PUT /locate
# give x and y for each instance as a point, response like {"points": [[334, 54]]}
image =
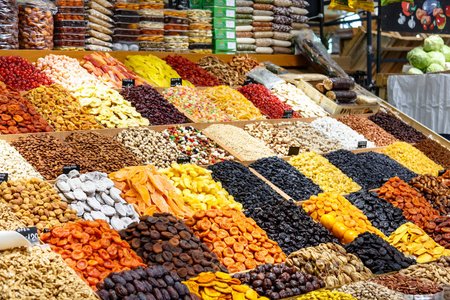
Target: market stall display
{"points": [[20, 74]]}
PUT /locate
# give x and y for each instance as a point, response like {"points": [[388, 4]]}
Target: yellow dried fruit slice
{"points": [[204, 296], [424, 258], [212, 292], [238, 296], [223, 276], [240, 288], [251, 295], [226, 290]]}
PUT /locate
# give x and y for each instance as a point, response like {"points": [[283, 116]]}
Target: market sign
{"points": [[427, 16]]}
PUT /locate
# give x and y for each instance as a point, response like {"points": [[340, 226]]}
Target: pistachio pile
{"points": [[368, 290], [429, 272]]}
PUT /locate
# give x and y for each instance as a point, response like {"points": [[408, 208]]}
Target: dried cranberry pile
{"points": [[190, 71], [20, 74], [153, 106], [265, 101]]}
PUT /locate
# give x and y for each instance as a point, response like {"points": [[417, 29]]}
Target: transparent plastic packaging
{"points": [[282, 3], [262, 24], [201, 33], [299, 11], [262, 12], [200, 40], [198, 13], [176, 39], [97, 14], [126, 12], [152, 12], [155, 38], [176, 45], [244, 10], [262, 18], [201, 46], [264, 1], [126, 46], [245, 40], [127, 19], [263, 34], [241, 22], [279, 43], [282, 11], [97, 48], [264, 42], [71, 10], [264, 76], [242, 34], [152, 49], [70, 23], [9, 20], [99, 28], [262, 6], [99, 21], [100, 8], [262, 29], [298, 26], [36, 24], [68, 2], [244, 28], [152, 25], [243, 3], [299, 18], [127, 25], [103, 3], [264, 50], [72, 30], [69, 43], [175, 13], [300, 3], [125, 38], [122, 31], [95, 41], [175, 20], [151, 44], [99, 35], [175, 27], [282, 50], [152, 31], [74, 17], [244, 16], [246, 47], [284, 36], [69, 36], [284, 20], [281, 27], [194, 19], [122, 5]]}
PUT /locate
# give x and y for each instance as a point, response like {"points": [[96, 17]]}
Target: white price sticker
{"points": [[230, 13], [231, 35], [229, 24]]}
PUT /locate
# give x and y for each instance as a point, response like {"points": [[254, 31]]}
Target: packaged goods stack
{"points": [[200, 31], [281, 41], [298, 16], [126, 33], [263, 26], [176, 31], [224, 24], [36, 24], [244, 18], [99, 25], [9, 24], [151, 26], [70, 31]]}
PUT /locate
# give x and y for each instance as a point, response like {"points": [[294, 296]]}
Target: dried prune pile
{"points": [[377, 254], [243, 185], [286, 177], [369, 169], [382, 214], [279, 281], [153, 106], [164, 240], [290, 226], [152, 282]]}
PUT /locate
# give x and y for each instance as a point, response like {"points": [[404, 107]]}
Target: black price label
{"points": [[67, 169], [183, 160], [176, 82], [249, 81], [362, 144], [440, 173], [3, 177], [30, 233], [293, 151], [128, 82], [288, 114]]}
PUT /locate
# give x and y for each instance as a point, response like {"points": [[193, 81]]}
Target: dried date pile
{"points": [[377, 254], [290, 226], [434, 191], [408, 285], [435, 151], [286, 177], [382, 214], [439, 230], [243, 185]]}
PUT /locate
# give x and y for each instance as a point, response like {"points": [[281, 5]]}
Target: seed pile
{"points": [[434, 191], [369, 291], [377, 254], [8, 220], [289, 225], [435, 151], [36, 273], [163, 239], [103, 152], [48, 155], [279, 281], [439, 230], [286, 177], [323, 173], [311, 138], [408, 285], [397, 127], [369, 130], [14, 164], [243, 185], [324, 294], [382, 214]]}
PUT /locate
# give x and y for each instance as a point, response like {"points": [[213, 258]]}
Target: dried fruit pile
{"points": [[428, 272], [197, 188], [439, 231], [369, 290], [289, 225], [324, 294], [190, 71], [279, 281], [224, 73], [397, 127], [265, 101], [434, 191], [238, 241], [408, 285], [149, 191], [92, 249], [20, 74], [415, 208], [165, 240], [435, 151]]}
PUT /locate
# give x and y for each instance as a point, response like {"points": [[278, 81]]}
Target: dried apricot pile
{"points": [[92, 249], [220, 286], [411, 239], [339, 216], [149, 191], [238, 241], [415, 208]]}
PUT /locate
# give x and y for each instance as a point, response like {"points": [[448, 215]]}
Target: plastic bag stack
{"points": [[126, 32], [176, 31], [298, 16], [244, 18], [9, 24], [70, 30], [263, 26], [151, 25], [281, 41], [99, 25], [200, 31]]}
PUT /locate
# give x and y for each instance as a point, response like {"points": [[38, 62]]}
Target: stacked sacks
{"points": [[99, 26], [262, 25], [244, 18], [298, 16], [282, 26]]}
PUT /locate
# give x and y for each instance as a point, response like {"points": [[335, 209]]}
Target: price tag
{"points": [[183, 160], [31, 234], [362, 144], [67, 169], [128, 82], [288, 114], [440, 173], [249, 81], [293, 151], [176, 82], [3, 177]]}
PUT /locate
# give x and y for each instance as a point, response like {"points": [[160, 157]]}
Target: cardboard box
{"points": [[224, 34], [225, 45], [195, 4], [224, 23], [222, 12]]}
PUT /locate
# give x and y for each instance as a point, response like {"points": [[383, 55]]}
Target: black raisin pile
{"points": [[377, 254], [152, 282], [279, 281], [243, 185], [368, 169], [286, 177], [382, 214], [290, 226]]}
